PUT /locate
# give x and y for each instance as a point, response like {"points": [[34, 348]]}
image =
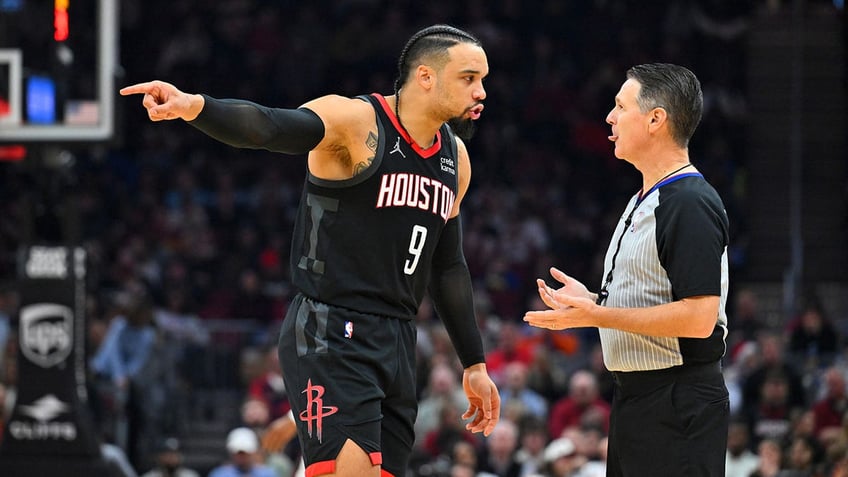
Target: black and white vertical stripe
{"points": [[641, 280]]}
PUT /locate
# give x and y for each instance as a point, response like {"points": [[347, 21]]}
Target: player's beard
{"points": [[463, 127]]}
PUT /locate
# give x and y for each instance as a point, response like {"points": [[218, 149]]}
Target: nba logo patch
{"points": [[348, 329]]}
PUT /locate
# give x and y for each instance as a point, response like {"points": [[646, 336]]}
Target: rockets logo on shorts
{"points": [[315, 411]]}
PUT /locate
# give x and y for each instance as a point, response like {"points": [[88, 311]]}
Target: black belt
{"points": [[635, 380]]}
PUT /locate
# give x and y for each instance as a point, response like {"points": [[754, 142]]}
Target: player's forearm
{"points": [[245, 124], [451, 292]]}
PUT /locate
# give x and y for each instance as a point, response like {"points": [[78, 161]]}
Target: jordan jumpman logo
{"points": [[397, 148]]}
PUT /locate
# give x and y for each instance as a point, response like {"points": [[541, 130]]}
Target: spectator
{"points": [[582, 404], [274, 438], [803, 425], [128, 344], [837, 460], [122, 367], [804, 454], [562, 459], [255, 415], [464, 454], [830, 410], [116, 459], [533, 435], [591, 444], [185, 340], [269, 386], [441, 440], [499, 455], [443, 390], [250, 301], [243, 448], [511, 347], [813, 340], [736, 372], [770, 459], [514, 390], [772, 417], [169, 461], [597, 465], [745, 323], [772, 362], [740, 461], [546, 374]]}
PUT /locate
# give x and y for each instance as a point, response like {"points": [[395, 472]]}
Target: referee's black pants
{"points": [[669, 423]]}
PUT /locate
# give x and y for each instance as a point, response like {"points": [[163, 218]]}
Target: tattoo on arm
{"points": [[361, 166], [371, 141], [371, 144]]}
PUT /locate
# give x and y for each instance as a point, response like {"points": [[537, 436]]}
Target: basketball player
{"points": [[378, 225]]}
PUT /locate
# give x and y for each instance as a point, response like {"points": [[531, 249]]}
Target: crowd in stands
{"points": [[189, 241]]}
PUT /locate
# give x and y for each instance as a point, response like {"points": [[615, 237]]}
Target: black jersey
{"points": [[366, 243]]}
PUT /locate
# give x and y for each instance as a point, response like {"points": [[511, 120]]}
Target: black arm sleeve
{"points": [[245, 124], [450, 290]]}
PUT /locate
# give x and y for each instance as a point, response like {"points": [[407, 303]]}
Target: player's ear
{"points": [[426, 76]]}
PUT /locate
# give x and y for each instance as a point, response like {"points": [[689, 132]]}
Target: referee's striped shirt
{"points": [[675, 247]]}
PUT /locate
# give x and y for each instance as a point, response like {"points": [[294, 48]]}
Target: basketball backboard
{"points": [[58, 61]]}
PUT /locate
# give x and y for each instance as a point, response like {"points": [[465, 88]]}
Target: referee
{"points": [[660, 308]]}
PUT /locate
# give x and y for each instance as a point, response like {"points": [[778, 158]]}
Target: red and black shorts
{"points": [[349, 375]]}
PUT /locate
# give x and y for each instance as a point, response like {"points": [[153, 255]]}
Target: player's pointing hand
{"points": [[164, 101]]}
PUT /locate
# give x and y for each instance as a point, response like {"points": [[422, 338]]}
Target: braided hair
{"points": [[433, 42]]}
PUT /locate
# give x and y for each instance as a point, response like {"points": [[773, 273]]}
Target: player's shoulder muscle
{"points": [[342, 116]]}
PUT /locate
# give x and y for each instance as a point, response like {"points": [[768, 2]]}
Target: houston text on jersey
{"points": [[412, 190]]}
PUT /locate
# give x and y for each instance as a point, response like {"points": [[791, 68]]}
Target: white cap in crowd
{"points": [[562, 447], [242, 439]]}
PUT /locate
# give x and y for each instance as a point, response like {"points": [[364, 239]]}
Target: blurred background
{"points": [[188, 240]]}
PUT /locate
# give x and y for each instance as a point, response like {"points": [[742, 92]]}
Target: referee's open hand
{"points": [[569, 305]]}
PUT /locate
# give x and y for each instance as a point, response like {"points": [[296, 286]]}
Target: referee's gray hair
{"points": [[675, 89]]}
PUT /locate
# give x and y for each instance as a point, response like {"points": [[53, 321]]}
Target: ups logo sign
{"points": [[46, 333]]}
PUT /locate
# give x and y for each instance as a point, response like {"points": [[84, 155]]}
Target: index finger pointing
{"points": [[137, 89]]}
